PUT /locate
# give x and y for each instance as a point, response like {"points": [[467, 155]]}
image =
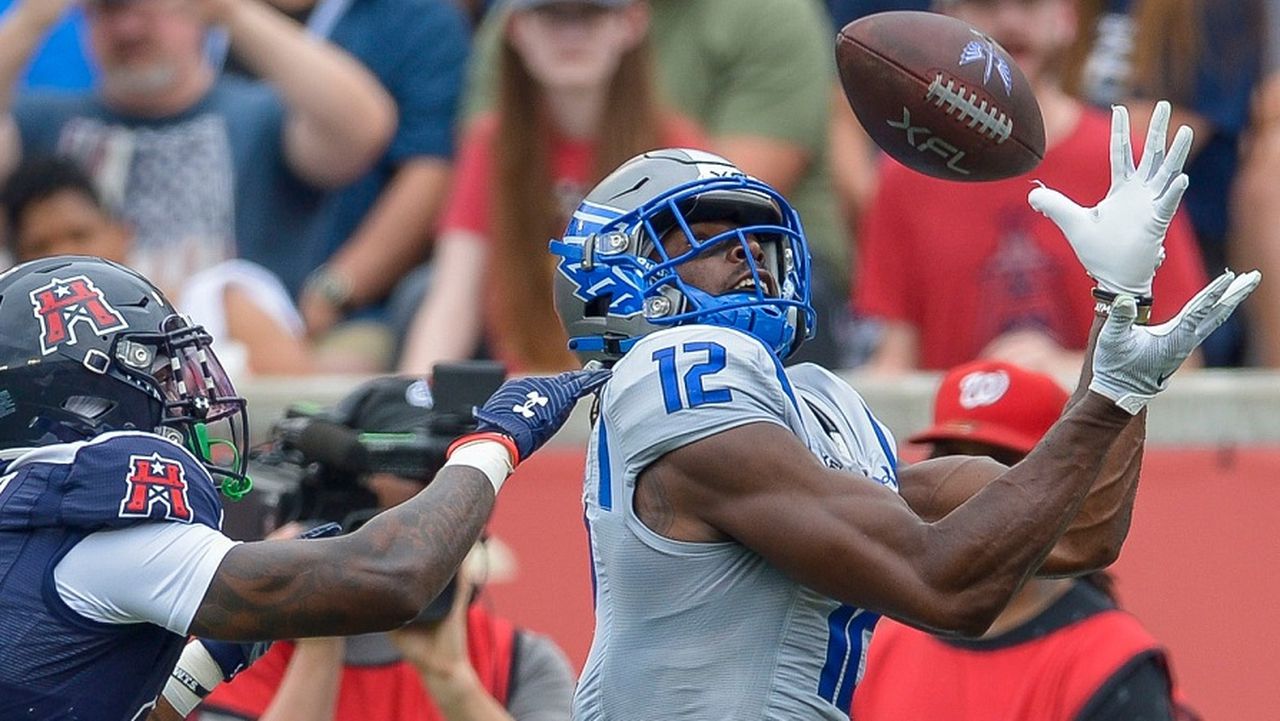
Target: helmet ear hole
{"points": [[88, 407]]}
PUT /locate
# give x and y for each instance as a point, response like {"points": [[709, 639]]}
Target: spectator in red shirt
{"points": [[953, 271], [1061, 650], [576, 99]]}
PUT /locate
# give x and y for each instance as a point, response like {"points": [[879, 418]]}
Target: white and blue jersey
{"points": [[107, 548], [702, 631]]}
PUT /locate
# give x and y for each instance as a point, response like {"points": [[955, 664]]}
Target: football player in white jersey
{"points": [[748, 523]]}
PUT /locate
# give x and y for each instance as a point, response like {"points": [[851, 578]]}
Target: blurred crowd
{"points": [[370, 185]]}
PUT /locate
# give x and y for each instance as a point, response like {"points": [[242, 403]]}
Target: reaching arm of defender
{"points": [[384, 574], [374, 579]]}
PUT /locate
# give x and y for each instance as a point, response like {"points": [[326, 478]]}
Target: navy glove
{"points": [[530, 410]]}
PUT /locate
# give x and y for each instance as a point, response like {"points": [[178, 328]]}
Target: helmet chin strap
{"points": [[767, 323], [199, 443]]}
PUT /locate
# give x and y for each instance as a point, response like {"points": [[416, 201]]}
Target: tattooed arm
{"points": [[381, 576], [375, 579]]}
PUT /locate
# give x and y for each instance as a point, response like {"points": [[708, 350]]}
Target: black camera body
{"points": [[320, 455], [313, 465]]}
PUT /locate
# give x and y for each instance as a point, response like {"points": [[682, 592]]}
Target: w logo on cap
{"points": [[982, 388], [63, 304]]}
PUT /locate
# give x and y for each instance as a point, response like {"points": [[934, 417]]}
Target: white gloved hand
{"points": [[1131, 364], [1120, 241]]}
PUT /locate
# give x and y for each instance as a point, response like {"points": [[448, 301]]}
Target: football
{"points": [[939, 96]]}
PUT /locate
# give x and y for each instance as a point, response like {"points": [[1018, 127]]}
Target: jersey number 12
{"points": [[694, 392]]}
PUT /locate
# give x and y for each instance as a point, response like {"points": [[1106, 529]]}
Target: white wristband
{"points": [[194, 677], [489, 457]]}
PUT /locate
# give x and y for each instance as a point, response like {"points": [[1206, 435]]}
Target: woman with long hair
{"points": [[576, 99], [1205, 57]]}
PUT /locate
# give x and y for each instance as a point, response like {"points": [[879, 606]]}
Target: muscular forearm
{"points": [[309, 689], [1094, 538], [372, 580], [340, 117], [1086, 367], [1095, 535], [984, 550]]}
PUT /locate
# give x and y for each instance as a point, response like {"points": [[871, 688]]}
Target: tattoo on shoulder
{"points": [[653, 507]]}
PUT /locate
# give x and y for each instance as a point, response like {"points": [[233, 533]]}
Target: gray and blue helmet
{"points": [[615, 282]]}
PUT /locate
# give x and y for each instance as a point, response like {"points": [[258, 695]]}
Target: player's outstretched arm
{"points": [[164, 711], [862, 544], [1093, 540], [1095, 536], [382, 575], [374, 579], [1097, 533], [1120, 244]]}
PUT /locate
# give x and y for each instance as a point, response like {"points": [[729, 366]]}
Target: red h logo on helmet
{"points": [[155, 480], [61, 304]]}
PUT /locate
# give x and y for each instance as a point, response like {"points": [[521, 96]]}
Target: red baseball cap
{"points": [[995, 403]]}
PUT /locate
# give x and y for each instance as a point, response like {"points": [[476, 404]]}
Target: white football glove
{"points": [[1120, 241], [1131, 364]]}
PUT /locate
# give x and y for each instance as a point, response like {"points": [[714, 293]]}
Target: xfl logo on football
{"points": [[63, 304], [156, 481]]}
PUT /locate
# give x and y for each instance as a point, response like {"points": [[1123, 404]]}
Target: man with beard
{"points": [[203, 168]]}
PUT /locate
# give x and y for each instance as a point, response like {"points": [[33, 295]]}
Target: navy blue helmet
{"points": [[90, 346]]}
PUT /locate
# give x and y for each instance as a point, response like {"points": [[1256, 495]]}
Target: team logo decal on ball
{"points": [[940, 97]]}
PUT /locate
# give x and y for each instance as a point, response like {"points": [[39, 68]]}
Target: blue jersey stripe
{"points": [[837, 651], [859, 635], [605, 494], [884, 442], [591, 560]]}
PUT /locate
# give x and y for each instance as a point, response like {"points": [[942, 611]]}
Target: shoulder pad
{"points": [[116, 480]]}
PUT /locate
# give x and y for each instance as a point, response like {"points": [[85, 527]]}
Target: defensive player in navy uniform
{"points": [[110, 549], [749, 522]]}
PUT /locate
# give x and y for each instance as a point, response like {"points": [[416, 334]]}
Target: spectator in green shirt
{"points": [[758, 76]]}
